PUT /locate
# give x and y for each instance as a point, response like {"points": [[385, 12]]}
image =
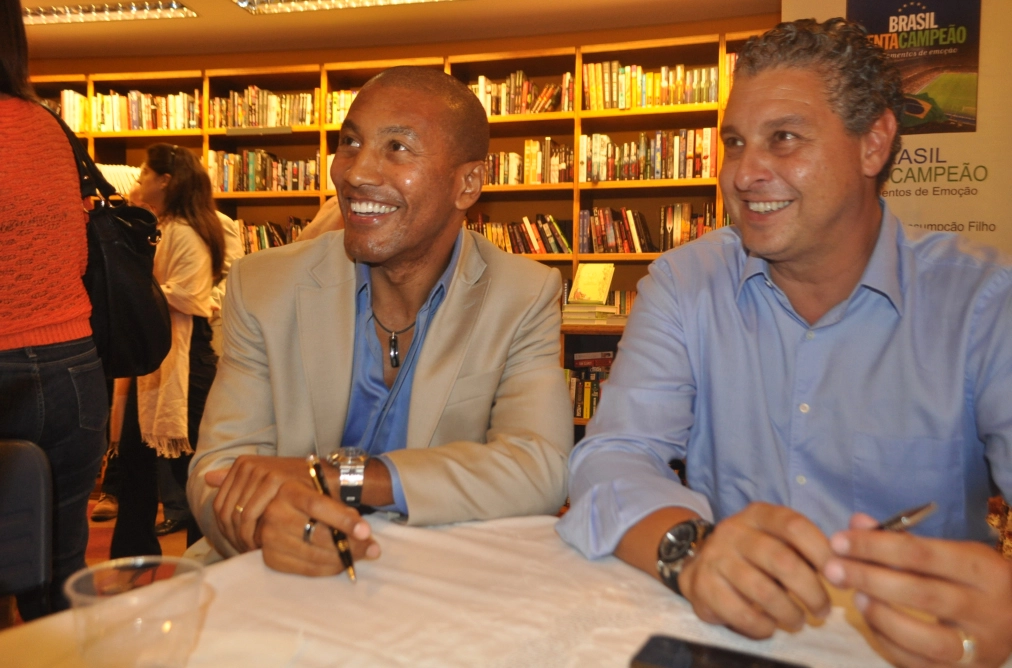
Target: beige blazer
{"points": [[490, 426]]}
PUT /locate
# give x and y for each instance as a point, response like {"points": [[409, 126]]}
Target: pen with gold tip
{"points": [[340, 540]]}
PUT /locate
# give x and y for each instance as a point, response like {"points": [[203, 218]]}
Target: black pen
{"points": [[908, 518], [340, 540]]}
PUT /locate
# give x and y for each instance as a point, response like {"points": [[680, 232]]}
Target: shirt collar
{"points": [[363, 277], [881, 275]]}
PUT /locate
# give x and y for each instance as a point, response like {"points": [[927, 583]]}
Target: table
{"points": [[501, 593]]}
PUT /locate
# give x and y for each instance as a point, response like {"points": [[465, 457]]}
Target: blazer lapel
{"points": [[446, 342], [326, 322]]}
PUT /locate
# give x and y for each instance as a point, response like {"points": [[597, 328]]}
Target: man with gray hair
{"points": [[820, 368]]}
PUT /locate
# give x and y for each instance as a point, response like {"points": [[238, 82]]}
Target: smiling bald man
{"points": [[404, 336]]}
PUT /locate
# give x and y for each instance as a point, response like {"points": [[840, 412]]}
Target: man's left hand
{"points": [[966, 587], [244, 491]]}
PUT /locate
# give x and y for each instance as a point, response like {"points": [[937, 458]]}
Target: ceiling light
{"points": [[289, 6], [135, 11]]}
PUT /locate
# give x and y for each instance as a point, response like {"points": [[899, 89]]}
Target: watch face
{"points": [[352, 455], [677, 542]]}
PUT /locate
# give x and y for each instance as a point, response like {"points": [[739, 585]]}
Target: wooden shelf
{"points": [[618, 257], [264, 132], [647, 183], [269, 194], [548, 257], [147, 133], [527, 187], [529, 118], [581, 421], [662, 110], [593, 329]]}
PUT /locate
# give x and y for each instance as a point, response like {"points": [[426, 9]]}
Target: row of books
{"points": [[541, 236], [542, 162], [662, 154], [121, 177], [73, 109], [730, 61], [142, 111], [519, 95], [256, 170], [336, 105], [256, 107], [605, 230], [268, 235], [610, 85], [592, 370], [679, 225]]}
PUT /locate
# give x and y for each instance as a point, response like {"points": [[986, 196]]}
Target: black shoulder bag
{"points": [[129, 315]]}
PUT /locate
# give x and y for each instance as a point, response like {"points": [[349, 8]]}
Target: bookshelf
{"points": [[324, 81]]}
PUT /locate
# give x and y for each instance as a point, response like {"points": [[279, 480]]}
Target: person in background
{"points": [[175, 508], [52, 387], [327, 219], [164, 408], [821, 368]]}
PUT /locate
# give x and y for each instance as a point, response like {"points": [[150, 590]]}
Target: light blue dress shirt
{"points": [[900, 395], [377, 415]]}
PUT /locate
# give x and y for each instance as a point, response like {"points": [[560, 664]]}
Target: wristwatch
{"points": [[350, 463], [680, 544]]}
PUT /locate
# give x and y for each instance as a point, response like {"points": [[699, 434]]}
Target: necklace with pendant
{"points": [[395, 360]]}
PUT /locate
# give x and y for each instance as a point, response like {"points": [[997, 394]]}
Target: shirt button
{"points": [[801, 479], [809, 335], [804, 408], [768, 283]]}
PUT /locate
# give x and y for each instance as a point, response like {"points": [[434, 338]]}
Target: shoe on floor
{"points": [[169, 526], [106, 509]]}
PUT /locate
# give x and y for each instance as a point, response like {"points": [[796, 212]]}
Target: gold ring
{"points": [[969, 647], [307, 531], [239, 508]]}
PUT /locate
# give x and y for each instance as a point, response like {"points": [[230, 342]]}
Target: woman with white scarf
{"points": [[164, 408]]}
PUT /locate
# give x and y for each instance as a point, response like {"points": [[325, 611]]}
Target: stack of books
{"points": [[257, 170], [520, 95], [590, 371], [255, 107], [541, 236], [591, 314], [610, 85], [140, 111], [542, 162], [337, 104], [662, 154]]}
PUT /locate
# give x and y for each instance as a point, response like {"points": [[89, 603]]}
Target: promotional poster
{"points": [[936, 45]]}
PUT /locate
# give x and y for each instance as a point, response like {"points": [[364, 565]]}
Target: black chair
{"points": [[26, 517]]}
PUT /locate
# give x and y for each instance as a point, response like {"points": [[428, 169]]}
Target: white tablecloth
{"points": [[502, 593]]}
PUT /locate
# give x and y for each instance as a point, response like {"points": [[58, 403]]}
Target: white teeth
{"points": [[767, 207], [371, 207]]}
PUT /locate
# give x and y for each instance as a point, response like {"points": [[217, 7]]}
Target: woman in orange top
{"points": [[52, 387]]}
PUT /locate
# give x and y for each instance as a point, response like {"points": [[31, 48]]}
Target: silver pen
{"points": [[908, 518]]}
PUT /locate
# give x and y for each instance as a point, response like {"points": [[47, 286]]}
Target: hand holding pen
{"points": [[340, 540]]}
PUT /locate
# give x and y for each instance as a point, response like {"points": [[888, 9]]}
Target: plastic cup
{"points": [[137, 611]]}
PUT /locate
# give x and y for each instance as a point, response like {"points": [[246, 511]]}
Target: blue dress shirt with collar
{"points": [[900, 395], [377, 415]]}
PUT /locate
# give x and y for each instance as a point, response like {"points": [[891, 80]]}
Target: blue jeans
{"points": [[55, 396]]}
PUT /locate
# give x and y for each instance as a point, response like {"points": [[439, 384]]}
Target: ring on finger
{"points": [[239, 508], [307, 531], [969, 647]]}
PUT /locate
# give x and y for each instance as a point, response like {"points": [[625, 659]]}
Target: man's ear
{"points": [[472, 176], [877, 143]]}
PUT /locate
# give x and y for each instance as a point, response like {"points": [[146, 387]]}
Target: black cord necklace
{"points": [[395, 360]]}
